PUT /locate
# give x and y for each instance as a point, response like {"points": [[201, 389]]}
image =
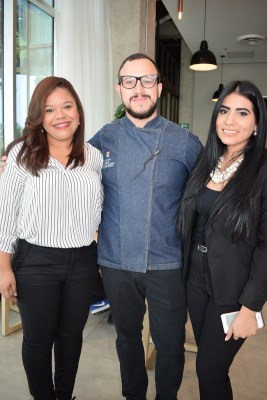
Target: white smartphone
{"points": [[228, 318]]}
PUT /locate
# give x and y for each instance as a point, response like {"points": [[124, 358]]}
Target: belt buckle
{"points": [[201, 248]]}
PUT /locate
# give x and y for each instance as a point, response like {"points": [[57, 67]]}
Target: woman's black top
{"points": [[204, 203]]}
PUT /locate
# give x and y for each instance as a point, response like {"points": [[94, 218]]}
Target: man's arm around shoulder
{"points": [[3, 164]]}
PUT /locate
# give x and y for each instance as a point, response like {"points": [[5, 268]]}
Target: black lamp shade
{"points": [[203, 59], [217, 93]]}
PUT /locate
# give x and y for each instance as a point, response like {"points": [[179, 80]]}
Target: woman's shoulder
{"points": [[91, 151], [89, 148], [262, 173], [14, 150], [264, 164]]}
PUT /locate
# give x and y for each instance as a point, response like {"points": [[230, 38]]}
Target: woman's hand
{"points": [[244, 325], [8, 286]]}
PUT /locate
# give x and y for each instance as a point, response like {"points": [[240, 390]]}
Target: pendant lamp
{"points": [[180, 9], [217, 93], [203, 59]]}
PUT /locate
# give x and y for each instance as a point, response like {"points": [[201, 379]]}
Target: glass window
{"points": [[1, 79], [34, 54]]}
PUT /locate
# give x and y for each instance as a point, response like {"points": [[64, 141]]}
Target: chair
{"points": [[8, 305], [149, 346]]}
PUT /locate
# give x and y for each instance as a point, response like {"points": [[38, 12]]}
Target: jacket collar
{"points": [[153, 124]]}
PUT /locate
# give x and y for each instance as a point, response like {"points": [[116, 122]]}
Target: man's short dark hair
{"points": [[138, 56]]}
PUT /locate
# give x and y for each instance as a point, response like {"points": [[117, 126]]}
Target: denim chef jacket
{"points": [[144, 174]]}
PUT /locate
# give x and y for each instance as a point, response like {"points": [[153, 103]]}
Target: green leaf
{"points": [[120, 112]]}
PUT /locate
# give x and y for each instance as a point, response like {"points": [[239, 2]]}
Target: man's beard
{"points": [[141, 114]]}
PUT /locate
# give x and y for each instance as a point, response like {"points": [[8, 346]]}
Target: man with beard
{"points": [[147, 160]]}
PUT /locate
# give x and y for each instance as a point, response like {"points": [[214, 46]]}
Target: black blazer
{"points": [[238, 270]]}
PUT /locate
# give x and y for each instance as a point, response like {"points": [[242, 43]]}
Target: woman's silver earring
{"points": [[255, 132]]}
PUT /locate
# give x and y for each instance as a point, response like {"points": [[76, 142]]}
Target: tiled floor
{"points": [[98, 377]]}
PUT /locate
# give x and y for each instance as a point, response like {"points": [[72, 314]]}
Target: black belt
{"points": [[200, 247]]}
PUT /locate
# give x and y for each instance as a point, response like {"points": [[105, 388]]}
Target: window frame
{"points": [[9, 64]]}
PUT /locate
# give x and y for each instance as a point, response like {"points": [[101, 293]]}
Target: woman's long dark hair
{"points": [[239, 194], [34, 153]]}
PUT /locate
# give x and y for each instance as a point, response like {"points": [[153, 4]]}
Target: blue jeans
{"points": [[55, 288], [165, 294]]}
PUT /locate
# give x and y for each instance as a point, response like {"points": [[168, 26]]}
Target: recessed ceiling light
{"points": [[251, 40]]}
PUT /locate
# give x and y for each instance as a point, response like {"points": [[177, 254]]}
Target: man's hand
{"points": [[3, 164]]}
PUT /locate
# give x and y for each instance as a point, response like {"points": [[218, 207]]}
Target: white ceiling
{"points": [[226, 20]]}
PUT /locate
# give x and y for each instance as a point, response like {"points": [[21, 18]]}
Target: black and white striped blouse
{"points": [[59, 208]]}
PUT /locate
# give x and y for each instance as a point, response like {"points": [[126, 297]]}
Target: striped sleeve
{"points": [[11, 189]]}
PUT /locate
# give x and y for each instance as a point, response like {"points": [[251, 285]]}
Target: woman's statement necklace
{"points": [[218, 176]]}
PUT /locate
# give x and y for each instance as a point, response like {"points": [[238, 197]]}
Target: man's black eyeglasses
{"points": [[147, 81]]}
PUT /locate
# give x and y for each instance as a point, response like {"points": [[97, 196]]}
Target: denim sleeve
{"points": [[193, 149], [96, 140]]}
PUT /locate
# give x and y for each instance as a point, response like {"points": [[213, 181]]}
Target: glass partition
{"points": [[1, 79], [34, 54]]}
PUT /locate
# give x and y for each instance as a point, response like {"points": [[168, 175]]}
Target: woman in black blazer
{"points": [[223, 220]]}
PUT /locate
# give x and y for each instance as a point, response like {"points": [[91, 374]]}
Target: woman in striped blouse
{"points": [[51, 200]]}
